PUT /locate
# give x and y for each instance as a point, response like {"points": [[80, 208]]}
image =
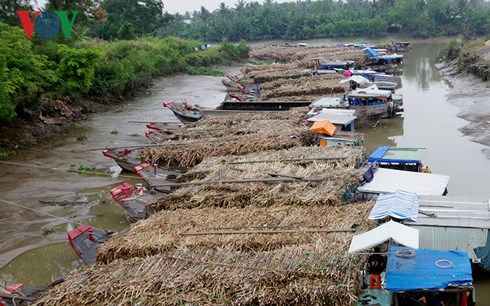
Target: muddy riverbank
{"points": [[470, 94]]}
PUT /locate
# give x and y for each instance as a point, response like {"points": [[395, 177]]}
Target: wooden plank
{"points": [[6, 295], [268, 232], [286, 160]]}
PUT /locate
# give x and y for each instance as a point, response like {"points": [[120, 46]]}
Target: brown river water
{"points": [[42, 173]]}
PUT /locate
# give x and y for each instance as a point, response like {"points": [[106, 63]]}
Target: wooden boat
{"points": [[134, 200], [20, 294], [125, 158], [401, 46], [229, 84], [85, 240], [163, 125], [155, 177], [183, 111], [158, 136]]}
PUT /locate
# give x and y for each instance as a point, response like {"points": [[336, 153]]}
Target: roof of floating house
{"points": [[401, 205], [328, 102], [451, 211], [389, 181], [427, 270], [371, 91], [334, 116], [387, 154], [323, 127], [356, 78], [459, 223], [400, 233]]}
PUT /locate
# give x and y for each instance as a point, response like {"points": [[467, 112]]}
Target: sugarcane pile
{"points": [[308, 88], [249, 228], [324, 53], [298, 176], [265, 132], [295, 275]]}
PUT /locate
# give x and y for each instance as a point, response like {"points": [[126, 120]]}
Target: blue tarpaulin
{"points": [[371, 52], [427, 270], [378, 154], [403, 205]]}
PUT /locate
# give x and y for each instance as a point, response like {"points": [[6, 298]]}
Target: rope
{"points": [[447, 264], [405, 253], [63, 170], [45, 213]]}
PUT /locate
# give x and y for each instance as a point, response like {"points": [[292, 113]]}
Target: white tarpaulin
{"points": [[400, 233], [389, 181], [356, 78]]}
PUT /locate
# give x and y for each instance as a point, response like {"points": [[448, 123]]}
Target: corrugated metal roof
{"points": [[334, 118], [454, 211], [389, 181], [328, 102], [400, 233], [401, 205], [451, 238]]}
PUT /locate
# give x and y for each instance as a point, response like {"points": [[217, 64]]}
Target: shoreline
{"points": [[469, 94]]}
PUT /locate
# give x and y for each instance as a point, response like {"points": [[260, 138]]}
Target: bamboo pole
{"points": [[245, 181], [264, 232], [285, 160]]}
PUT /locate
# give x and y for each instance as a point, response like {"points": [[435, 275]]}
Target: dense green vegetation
{"points": [[329, 18], [463, 53], [32, 69]]}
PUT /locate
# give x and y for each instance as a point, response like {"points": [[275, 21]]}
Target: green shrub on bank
{"points": [[204, 71]]}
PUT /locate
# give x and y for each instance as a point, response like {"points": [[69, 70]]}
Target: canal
{"points": [[43, 172]]}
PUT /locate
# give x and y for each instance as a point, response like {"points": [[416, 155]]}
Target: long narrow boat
{"points": [[125, 158], [183, 111], [155, 177], [20, 294], [134, 200], [85, 241]]}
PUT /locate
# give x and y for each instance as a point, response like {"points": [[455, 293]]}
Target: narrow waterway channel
{"points": [[41, 173]]}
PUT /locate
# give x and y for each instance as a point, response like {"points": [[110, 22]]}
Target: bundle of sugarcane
{"points": [[319, 86], [317, 273], [320, 176], [325, 53], [249, 228]]}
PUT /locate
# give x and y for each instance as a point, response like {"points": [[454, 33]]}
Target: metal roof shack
{"points": [[455, 223]]}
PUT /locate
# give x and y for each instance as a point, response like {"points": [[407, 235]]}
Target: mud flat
{"points": [[470, 94]]}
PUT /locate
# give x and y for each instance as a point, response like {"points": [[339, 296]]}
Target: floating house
{"points": [[381, 180], [455, 223], [327, 135], [408, 159], [343, 119]]}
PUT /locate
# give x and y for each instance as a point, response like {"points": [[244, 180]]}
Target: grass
{"points": [[82, 137], [7, 153]]}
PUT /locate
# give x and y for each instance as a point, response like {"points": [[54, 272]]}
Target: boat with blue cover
{"points": [[408, 159]]}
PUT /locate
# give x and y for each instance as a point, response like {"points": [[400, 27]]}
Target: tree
{"points": [[8, 10], [77, 68], [146, 16]]}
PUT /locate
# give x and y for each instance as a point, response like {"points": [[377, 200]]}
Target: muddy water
{"points": [[41, 173]]}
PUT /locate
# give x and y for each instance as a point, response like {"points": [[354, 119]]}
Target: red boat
{"points": [[85, 241], [157, 178], [134, 200], [126, 159]]}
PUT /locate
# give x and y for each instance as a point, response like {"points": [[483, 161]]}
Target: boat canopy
{"points": [[323, 127], [371, 91], [402, 205], [409, 270], [356, 78], [387, 154], [328, 102], [399, 233], [389, 181]]}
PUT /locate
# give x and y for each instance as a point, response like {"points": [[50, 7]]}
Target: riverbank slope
{"points": [[469, 92]]}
